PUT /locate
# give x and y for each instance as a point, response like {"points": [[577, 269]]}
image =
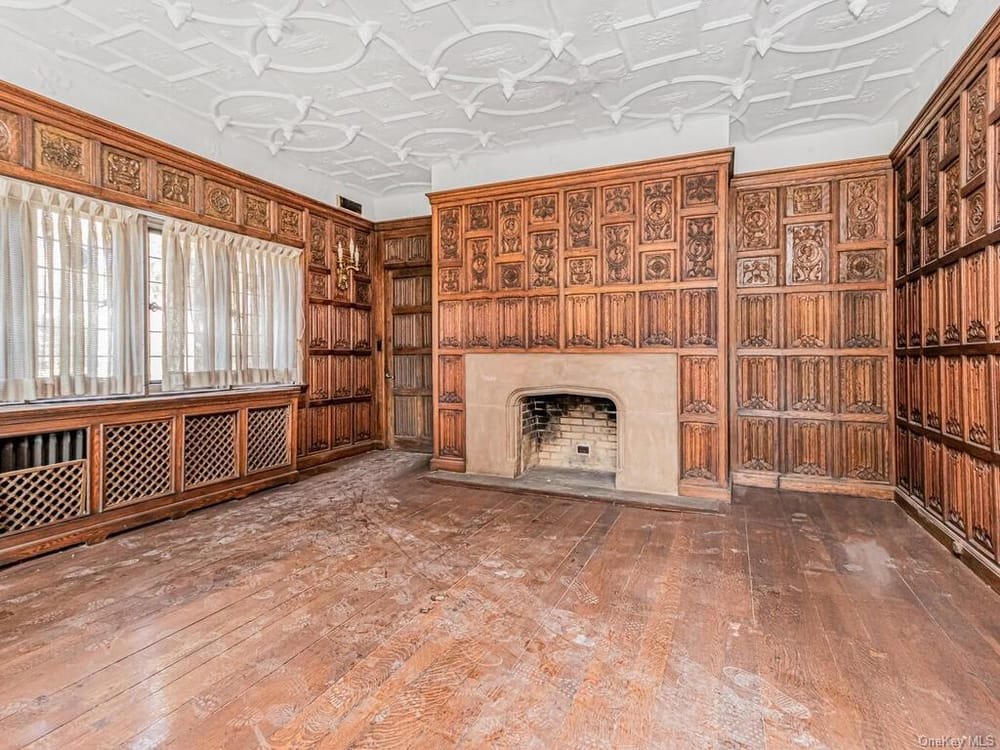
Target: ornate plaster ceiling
{"points": [[371, 93]]}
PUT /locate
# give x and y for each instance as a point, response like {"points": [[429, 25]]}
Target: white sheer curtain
{"points": [[233, 308], [71, 295]]}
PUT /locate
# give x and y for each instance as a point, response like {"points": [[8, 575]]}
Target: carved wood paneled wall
{"points": [[49, 143], [812, 356], [947, 305], [628, 259]]}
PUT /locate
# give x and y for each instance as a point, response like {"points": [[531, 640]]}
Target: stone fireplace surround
{"points": [[642, 386]]}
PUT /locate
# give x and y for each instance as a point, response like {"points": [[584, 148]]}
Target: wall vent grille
{"points": [[267, 438], [209, 448], [138, 462], [30, 498]]}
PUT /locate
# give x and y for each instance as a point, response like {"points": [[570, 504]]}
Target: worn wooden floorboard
{"points": [[366, 608]]}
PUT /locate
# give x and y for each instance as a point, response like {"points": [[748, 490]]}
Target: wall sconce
{"points": [[346, 265]]}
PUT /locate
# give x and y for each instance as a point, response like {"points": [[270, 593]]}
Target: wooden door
{"points": [[408, 359]]}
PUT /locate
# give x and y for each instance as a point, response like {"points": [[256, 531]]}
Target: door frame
{"points": [[388, 353]]}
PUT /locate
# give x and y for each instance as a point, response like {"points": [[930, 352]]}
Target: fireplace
{"points": [[610, 414], [568, 431]]}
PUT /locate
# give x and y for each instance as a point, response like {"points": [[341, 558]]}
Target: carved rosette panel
{"points": [[860, 266], [11, 136], [542, 263], [510, 276], [511, 227], [618, 317], [618, 254], [220, 201], [756, 220], [657, 211], [449, 235], [656, 266], [256, 212], [808, 253], [123, 172], [175, 186], [580, 218], [700, 237], [61, 152]]}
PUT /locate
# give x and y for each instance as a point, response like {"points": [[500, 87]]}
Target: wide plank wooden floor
{"points": [[365, 607]]}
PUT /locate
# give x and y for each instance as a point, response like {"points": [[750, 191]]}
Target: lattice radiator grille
{"points": [[138, 462], [267, 438], [209, 448], [37, 497]]}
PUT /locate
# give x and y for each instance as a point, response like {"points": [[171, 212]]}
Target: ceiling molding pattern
{"points": [[373, 93]]}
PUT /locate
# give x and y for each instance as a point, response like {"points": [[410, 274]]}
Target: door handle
{"points": [[388, 375]]}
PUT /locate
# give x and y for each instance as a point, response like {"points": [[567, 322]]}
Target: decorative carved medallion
{"points": [[701, 190], [255, 212], [975, 215], [658, 211], [175, 186], [618, 253], [862, 265], [756, 220], [479, 268], [448, 235], [617, 200], [60, 152], [581, 218], [756, 271], [220, 201], [543, 208], [864, 221], [580, 272], [480, 217], [543, 259], [699, 247], [808, 245], [657, 266], [510, 227], [511, 275]]}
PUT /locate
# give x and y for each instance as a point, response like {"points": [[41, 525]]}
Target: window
{"points": [[154, 304], [94, 301]]}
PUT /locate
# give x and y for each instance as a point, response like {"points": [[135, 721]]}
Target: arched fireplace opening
{"points": [[571, 432]]}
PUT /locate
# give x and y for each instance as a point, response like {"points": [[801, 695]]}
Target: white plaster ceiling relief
{"points": [[374, 94]]}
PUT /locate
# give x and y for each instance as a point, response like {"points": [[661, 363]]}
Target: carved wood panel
{"points": [[812, 349], [632, 258]]}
